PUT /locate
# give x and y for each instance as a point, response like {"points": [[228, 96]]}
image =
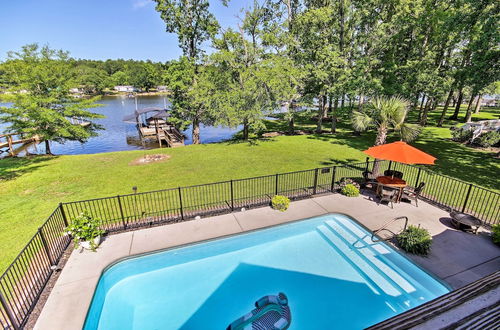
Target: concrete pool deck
{"points": [[458, 258]]}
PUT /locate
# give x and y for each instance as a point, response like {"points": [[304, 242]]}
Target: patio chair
{"points": [[388, 195], [413, 194], [393, 173], [369, 181]]}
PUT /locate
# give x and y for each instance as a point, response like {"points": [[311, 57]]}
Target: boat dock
{"points": [[152, 123], [8, 141]]}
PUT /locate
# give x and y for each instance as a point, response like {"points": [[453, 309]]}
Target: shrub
{"points": [[488, 139], [461, 135], [346, 181], [350, 190], [495, 233], [84, 228], [280, 203], [415, 240]]}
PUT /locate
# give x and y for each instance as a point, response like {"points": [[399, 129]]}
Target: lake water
{"points": [[119, 135]]}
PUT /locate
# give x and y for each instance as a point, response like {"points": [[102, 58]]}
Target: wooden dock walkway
{"points": [[164, 134], [9, 141]]}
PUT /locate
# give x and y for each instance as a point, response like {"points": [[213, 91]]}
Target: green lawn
{"points": [[31, 188]]}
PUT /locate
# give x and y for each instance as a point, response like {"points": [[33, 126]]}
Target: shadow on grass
{"points": [[12, 168]]}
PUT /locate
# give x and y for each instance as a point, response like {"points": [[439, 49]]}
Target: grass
{"points": [[31, 188]]}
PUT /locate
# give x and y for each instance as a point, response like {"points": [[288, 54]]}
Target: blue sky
{"points": [[97, 29]]}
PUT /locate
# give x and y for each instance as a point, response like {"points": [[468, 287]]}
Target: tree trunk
{"points": [[342, 102], [291, 117], [196, 130], [445, 108], [424, 98], [47, 148], [381, 136], [424, 114], [245, 129], [360, 102], [380, 139], [351, 104], [321, 114], [468, 115], [478, 103], [458, 104], [334, 116]]}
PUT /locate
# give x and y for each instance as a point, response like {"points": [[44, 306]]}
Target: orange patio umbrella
{"points": [[400, 152]]}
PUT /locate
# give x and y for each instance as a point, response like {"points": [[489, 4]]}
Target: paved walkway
{"points": [[458, 258]]}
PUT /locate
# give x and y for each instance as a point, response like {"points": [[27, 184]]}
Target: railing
{"points": [[24, 280]]}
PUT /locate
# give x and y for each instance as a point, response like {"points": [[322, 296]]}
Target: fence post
{"points": [[10, 315], [390, 165], [232, 196], [467, 198], [63, 214], [45, 246], [315, 188], [276, 184], [180, 201], [121, 212], [334, 171], [366, 168], [418, 177]]}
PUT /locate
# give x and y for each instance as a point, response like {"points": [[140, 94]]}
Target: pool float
{"points": [[271, 313]]}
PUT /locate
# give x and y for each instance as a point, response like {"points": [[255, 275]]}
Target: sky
{"points": [[97, 29]]}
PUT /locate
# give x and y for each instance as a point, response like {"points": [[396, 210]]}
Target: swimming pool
{"points": [[334, 275]]}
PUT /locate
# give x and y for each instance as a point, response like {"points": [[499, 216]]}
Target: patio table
{"points": [[391, 182]]}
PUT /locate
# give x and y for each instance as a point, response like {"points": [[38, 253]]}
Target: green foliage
{"points": [[461, 135], [488, 139], [495, 233], [350, 190], [84, 228], [280, 203], [415, 240], [385, 114], [39, 82]]}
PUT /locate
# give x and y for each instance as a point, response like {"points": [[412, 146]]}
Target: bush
{"points": [[461, 135], [350, 190], [495, 233], [415, 240], [280, 203], [345, 181], [84, 228], [488, 139]]}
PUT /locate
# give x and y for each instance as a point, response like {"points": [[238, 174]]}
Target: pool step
{"points": [[372, 253], [377, 251], [359, 263]]}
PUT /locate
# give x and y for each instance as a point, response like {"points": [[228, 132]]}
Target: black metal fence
{"points": [[24, 280]]}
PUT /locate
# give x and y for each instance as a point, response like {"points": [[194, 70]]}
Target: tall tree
{"points": [[193, 23], [42, 104]]}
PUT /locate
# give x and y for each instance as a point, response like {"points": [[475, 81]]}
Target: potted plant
{"points": [[85, 231], [280, 203]]}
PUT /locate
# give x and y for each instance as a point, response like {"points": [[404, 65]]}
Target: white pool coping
{"points": [[67, 305]]}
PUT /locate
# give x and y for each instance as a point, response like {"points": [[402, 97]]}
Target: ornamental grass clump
{"points": [[280, 203], [84, 228], [415, 240]]}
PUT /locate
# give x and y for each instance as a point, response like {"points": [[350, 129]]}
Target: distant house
{"points": [[127, 89], [76, 90], [162, 89], [490, 100]]}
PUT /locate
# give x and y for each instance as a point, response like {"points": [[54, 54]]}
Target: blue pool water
{"points": [[334, 275]]}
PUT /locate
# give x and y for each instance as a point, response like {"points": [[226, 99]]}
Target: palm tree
{"points": [[385, 114]]}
